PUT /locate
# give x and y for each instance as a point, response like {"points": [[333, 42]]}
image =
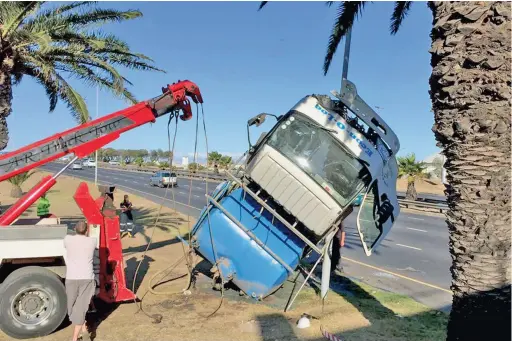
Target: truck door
{"points": [[375, 218]]}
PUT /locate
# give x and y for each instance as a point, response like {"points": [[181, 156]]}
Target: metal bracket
{"points": [[362, 110]]}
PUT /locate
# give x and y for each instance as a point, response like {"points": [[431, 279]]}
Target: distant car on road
{"points": [[77, 165], [163, 179], [359, 199], [89, 163]]}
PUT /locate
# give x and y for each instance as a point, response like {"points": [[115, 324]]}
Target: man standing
{"points": [[126, 217], [338, 242], [80, 283]]}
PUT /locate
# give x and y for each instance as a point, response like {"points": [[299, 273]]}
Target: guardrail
{"points": [[421, 204]]}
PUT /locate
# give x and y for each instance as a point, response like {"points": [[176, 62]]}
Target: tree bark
{"points": [[470, 92], [16, 191], [411, 193], [5, 105]]}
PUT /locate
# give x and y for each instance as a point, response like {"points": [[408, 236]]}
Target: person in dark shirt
{"points": [[338, 242], [126, 220]]}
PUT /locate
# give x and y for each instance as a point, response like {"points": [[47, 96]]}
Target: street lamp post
{"points": [[96, 153]]}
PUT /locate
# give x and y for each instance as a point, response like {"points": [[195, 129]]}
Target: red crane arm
{"points": [[91, 136]]}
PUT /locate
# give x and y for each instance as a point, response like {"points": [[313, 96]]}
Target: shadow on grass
{"points": [[384, 324]]}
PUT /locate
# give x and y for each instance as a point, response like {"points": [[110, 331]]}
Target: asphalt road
{"points": [[413, 260]]}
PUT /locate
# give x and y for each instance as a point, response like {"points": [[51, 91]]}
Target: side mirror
{"points": [[257, 120]]}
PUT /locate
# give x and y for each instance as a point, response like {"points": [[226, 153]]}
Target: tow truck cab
{"points": [[300, 180]]}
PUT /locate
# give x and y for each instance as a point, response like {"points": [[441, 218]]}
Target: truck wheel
{"points": [[32, 302]]}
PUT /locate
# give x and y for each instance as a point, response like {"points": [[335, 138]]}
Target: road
{"points": [[413, 260]]}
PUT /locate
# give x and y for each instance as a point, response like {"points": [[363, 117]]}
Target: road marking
{"points": [[197, 196], [398, 275], [198, 187], [182, 193], [410, 247], [410, 228], [415, 218]]}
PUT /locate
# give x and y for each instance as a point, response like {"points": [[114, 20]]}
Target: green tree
{"points": [[51, 44], [16, 182], [225, 161], [470, 92], [164, 165], [139, 161], [214, 158], [408, 166], [193, 167], [154, 155]]}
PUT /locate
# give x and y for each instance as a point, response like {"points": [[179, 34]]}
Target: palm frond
{"points": [[329, 3], [262, 4], [56, 44], [19, 179], [399, 13], [347, 13], [14, 21]]}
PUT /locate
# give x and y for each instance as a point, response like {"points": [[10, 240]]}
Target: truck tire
{"points": [[32, 303]]}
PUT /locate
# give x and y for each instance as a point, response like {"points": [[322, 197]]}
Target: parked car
{"points": [[163, 179], [77, 165], [114, 163]]}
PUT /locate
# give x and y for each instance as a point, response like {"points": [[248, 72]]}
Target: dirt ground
{"points": [[422, 186], [356, 312]]}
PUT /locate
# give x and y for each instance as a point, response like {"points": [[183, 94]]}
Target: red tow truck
{"points": [[32, 267]]}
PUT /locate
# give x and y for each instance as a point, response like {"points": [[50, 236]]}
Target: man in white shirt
{"points": [[80, 283]]}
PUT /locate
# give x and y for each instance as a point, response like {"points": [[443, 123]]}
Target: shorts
{"points": [[79, 293]]}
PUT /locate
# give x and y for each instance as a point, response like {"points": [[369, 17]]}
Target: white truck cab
{"points": [[320, 156]]}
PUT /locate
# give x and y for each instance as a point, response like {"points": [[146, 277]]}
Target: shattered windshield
{"points": [[321, 156]]}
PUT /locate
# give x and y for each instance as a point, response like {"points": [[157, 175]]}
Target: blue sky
{"points": [[247, 62]]}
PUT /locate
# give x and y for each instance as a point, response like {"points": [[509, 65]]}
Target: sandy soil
{"points": [[422, 186], [357, 312]]}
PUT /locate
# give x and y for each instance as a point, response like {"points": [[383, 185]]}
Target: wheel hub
{"points": [[31, 306]]}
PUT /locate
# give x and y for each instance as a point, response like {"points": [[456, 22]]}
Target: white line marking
{"points": [[199, 187], [410, 228], [182, 193], [197, 196], [410, 247], [415, 218]]}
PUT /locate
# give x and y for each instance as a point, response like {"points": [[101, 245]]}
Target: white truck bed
{"points": [[32, 241]]}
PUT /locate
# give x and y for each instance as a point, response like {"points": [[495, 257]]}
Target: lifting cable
{"points": [[151, 288]]}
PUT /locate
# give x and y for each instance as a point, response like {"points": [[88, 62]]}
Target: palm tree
{"points": [[53, 44], [407, 166], [16, 182], [470, 92], [225, 161], [214, 158]]}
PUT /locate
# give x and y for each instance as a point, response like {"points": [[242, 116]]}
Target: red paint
{"points": [[112, 276]]}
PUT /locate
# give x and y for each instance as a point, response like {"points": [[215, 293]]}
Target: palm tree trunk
{"points": [[411, 193], [5, 103], [470, 92]]}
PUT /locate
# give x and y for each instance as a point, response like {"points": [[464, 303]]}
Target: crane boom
{"points": [[91, 136]]}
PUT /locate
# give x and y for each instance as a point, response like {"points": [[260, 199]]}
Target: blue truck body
{"points": [[238, 257]]}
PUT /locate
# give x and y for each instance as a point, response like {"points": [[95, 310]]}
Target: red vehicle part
{"points": [[91, 136], [101, 214]]}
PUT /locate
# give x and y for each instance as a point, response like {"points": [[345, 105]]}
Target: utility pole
{"points": [[96, 153], [346, 57]]}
